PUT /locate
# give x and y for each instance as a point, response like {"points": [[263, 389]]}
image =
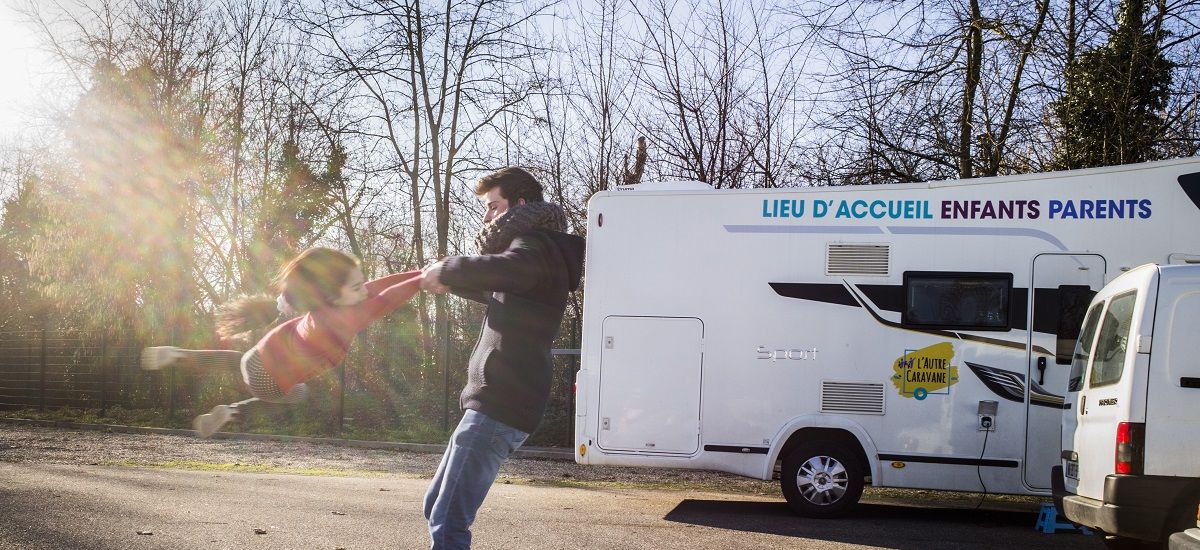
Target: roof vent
{"points": [[857, 259], [844, 397]]}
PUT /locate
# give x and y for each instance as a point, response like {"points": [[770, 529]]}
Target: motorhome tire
{"points": [[822, 478]]}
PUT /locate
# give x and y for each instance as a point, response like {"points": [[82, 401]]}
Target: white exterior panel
{"points": [[1173, 402]]}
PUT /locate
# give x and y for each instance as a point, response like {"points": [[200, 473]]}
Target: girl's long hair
{"points": [[312, 280], [237, 319]]}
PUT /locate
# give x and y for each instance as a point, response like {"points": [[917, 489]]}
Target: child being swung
{"points": [[326, 289]]}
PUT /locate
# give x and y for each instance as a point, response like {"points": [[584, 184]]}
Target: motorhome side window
{"points": [[1111, 343], [952, 300], [1083, 348]]}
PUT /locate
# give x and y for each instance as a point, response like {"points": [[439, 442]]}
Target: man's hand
{"points": [[431, 278]]}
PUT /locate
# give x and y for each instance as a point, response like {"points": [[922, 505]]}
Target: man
{"points": [[525, 270]]}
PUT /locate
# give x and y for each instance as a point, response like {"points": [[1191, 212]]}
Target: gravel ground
{"points": [[48, 445], [52, 445]]}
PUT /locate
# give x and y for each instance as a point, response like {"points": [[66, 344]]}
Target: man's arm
{"points": [[473, 295], [517, 269]]}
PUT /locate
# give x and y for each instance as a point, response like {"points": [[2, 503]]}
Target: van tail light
{"points": [[1131, 448]]}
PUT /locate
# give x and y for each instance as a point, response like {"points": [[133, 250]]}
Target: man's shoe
{"points": [[208, 424], [158, 357]]}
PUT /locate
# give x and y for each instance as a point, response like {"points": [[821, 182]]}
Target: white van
{"points": [[1131, 424], [910, 335]]}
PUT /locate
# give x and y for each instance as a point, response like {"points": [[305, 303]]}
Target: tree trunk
{"points": [[974, 65]]}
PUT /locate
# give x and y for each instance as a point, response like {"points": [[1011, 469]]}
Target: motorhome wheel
{"points": [[822, 479]]}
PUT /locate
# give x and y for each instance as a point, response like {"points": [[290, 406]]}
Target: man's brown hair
{"points": [[514, 183]]}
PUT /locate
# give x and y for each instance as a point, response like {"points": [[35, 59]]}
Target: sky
{"points": [[25, 73]]}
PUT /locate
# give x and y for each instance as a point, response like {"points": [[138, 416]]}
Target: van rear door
{"points": [[1104, 399], [1080, 361]]}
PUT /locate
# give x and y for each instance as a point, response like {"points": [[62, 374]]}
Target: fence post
{"points": [[42, 387], [341, 408], [171, 394], [27, 363], [171, 379], [574, 363], [103, 372], [445, 356]]}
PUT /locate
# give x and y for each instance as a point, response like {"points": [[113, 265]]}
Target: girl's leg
{"points": [[261, 386], [264, 387], [158, 357]]}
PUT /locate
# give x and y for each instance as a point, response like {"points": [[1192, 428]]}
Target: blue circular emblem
{"points": [[920, 394]]}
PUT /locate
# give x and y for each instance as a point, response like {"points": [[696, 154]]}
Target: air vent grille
{"points": [[857, 259], [851, 397]]}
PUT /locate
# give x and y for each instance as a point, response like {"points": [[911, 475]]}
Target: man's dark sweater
{"points": [[525, 288]]}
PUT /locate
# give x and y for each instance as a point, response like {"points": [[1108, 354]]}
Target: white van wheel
{"points": [[1124, 543], [822, 479]]}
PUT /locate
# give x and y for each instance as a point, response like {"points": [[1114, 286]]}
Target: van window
{"points": [[1083, 348], [1072, 304], [1111, 343], [954, 300]]}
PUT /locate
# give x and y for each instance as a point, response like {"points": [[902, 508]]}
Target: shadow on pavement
{"points": [[885, 525]]}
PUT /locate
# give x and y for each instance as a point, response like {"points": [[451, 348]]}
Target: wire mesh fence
{"points": [[48, 369], [384, 390]]}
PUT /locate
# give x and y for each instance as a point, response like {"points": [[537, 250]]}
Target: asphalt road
{"points": [[103, 507]]}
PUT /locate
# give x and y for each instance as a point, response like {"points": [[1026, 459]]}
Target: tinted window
{"points": [[1112, 341], [970, 301], [1083, 348], [1072, 304]]}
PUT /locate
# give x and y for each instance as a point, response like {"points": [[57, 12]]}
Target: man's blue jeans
{"points": [[472, 460]]}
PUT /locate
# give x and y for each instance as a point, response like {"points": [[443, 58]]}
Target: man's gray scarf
{"points": [[495, 236]]}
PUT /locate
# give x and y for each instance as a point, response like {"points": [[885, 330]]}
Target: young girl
{"points": [[325, 288]]}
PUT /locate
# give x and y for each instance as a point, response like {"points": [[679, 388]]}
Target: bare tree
{"points": [[632, 175], [430, 83], [907, 63], [696, 79]]}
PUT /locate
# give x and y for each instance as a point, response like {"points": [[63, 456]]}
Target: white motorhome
{"points": [[914, 335], [1131, 424]]}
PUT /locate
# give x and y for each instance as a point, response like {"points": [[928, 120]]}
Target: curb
{"points": [[435, 448]]}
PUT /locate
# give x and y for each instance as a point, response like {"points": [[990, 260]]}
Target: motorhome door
{"points": [[1062, 286]]}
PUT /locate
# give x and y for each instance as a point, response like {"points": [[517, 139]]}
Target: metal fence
{"points": [[48, 369], [382, 386]]}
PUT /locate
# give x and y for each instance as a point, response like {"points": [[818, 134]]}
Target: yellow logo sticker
{"points": [[926, 371]]}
